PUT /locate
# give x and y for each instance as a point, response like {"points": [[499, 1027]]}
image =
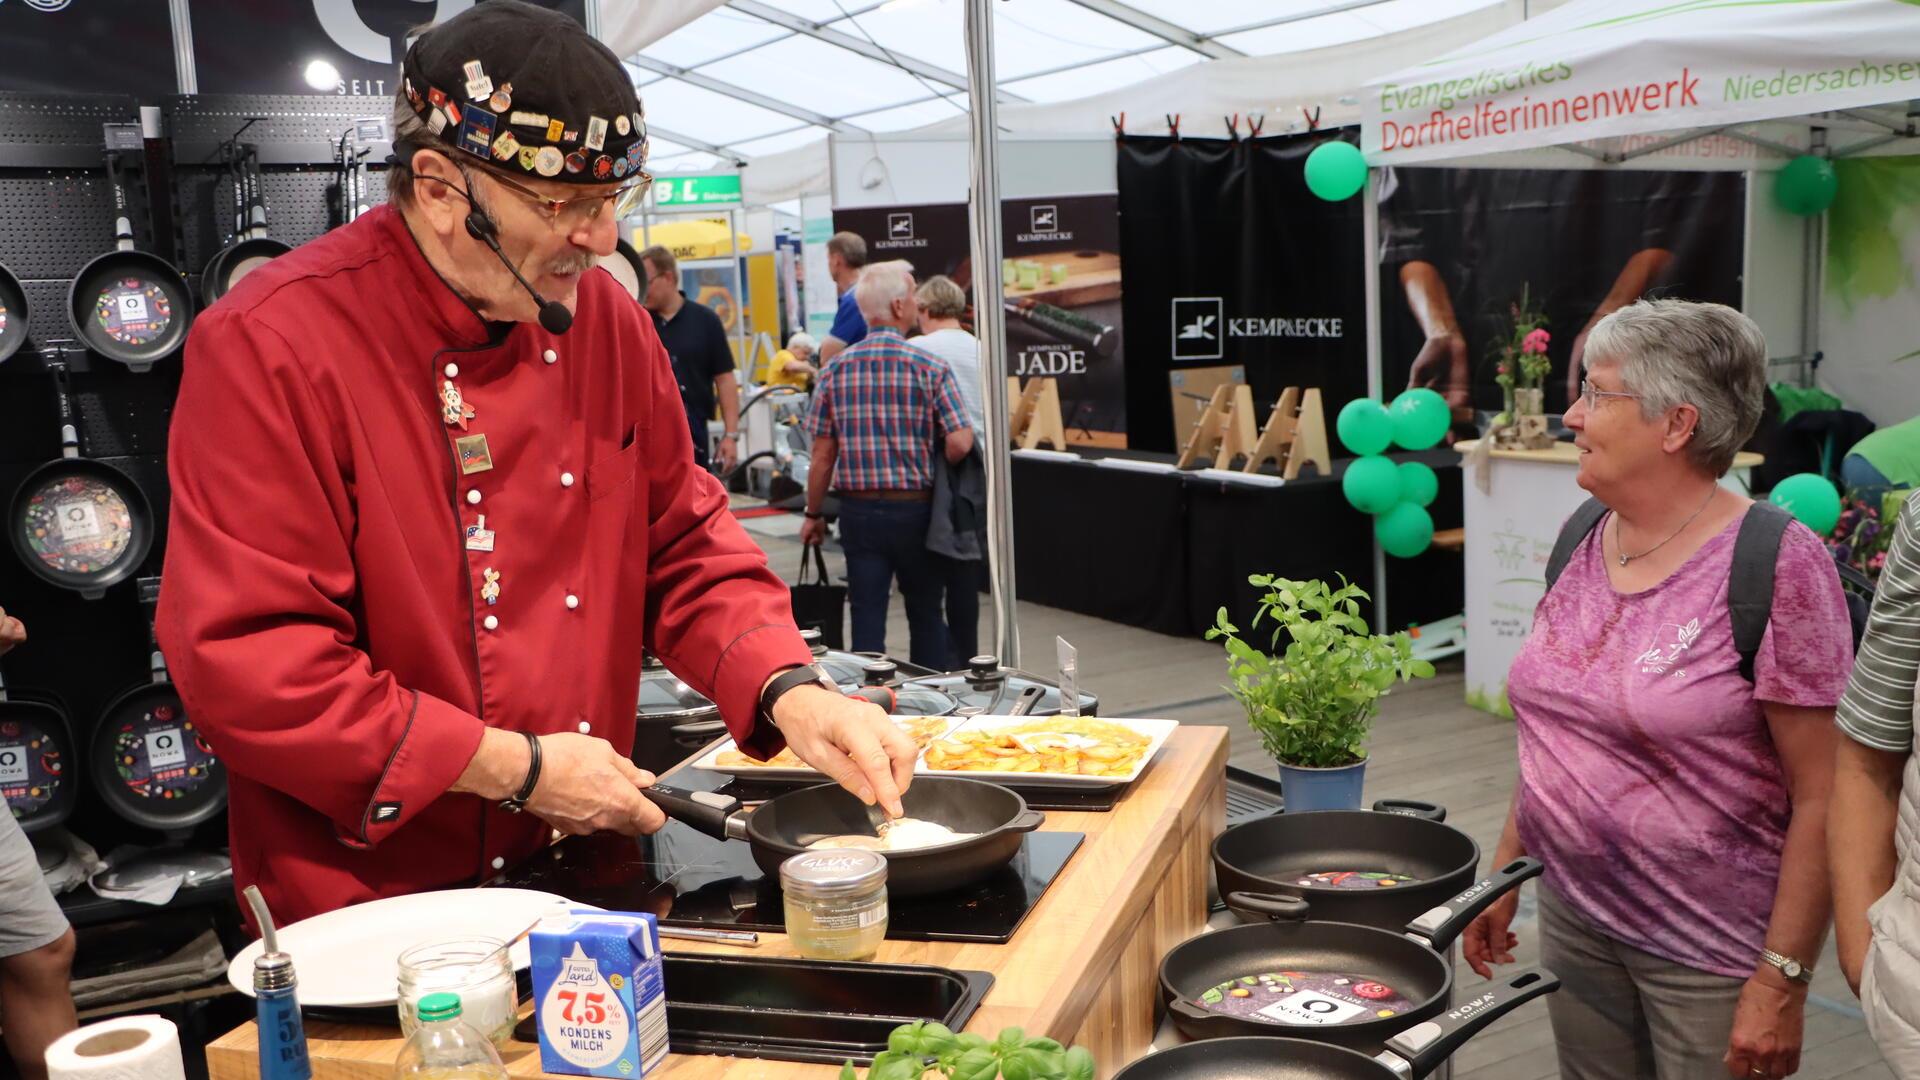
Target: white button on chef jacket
{"points": [[549, 356], [566, 479], [491, 622], [572, 601], [473, 497]]}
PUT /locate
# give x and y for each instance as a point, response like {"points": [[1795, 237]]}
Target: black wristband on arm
{"points": [[519, 800]]}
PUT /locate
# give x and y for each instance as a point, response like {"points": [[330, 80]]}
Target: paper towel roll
{"points": [[129, 1048]]}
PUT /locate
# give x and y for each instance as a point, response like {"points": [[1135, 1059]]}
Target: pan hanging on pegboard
{"points": [[149, 761], [129, 305], [79, 524], [36, 745], [13, 314], [252, 248]]}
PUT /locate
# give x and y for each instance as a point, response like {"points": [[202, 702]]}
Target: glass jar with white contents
{"points": [[478, 969], [836, 903]]}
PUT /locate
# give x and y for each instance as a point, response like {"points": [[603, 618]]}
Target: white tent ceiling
{"points": [[737, 80]]}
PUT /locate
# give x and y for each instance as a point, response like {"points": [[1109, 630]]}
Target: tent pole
{"points": [[990, 325], [1376, 378]]}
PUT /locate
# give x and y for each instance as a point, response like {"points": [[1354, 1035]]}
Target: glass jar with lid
{"points": [[836, 903], [478, 969]]}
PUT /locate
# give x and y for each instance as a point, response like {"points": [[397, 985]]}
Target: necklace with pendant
{"points": [[1625, 558]]}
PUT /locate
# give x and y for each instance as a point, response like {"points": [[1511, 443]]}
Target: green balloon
{"points": [[1811, 498], [1404, 531], [1418, 483], [1420, 418], [1806, 185], [1364, 426], [1336, 170], [1371, 484]]}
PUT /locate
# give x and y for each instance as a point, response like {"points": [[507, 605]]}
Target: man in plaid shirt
{"points": [[884, 413]]}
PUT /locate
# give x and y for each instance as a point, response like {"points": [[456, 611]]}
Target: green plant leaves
{"points": [[966, 1056], [847, 1073], [1314, 702], [1079, 1064], [979, 1063]]}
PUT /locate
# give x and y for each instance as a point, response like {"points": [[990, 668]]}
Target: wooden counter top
{"points": [[1565, 453], [1083, 968]]}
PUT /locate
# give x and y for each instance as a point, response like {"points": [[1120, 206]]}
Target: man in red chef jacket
{"points": [[423, 528]]}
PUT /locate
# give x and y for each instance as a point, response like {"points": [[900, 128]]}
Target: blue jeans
{"points": [[1860, 477], [883, 540]]}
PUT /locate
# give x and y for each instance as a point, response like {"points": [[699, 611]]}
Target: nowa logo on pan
{"points": [[1197, 327], [899, 233], [1043, 224]]}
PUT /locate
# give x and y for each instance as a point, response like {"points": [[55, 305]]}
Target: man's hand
{"points": [[852, 741], [813, 530], [12, 632], [1576, 369], [1767, 1027], [586, 786], [729, 455], [1487, 940], [1442, 365]]}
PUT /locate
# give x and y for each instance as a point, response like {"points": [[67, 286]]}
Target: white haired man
{"points": [[883, 409]]}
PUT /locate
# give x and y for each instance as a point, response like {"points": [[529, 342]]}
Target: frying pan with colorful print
{"points": [[36, 762], [79, 524], [129, 305], [150, 762]]}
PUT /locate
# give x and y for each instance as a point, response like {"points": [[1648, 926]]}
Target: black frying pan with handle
{"points": [[1413, 1052], [252, 248], [79, 524], [627, 269], [129, 305], [1326, 981], [785, 825], [36, 756], [148, 759]]}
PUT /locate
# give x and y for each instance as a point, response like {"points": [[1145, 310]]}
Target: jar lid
{"points": [[441, 1006], [834, 872]]}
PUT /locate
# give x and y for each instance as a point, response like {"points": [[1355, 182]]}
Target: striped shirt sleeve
{"points": [[1877, 709]]}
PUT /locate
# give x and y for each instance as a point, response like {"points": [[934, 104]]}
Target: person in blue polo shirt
{"points": [[846, 255]]}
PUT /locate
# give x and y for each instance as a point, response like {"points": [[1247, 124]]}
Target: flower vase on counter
{"points": [[1521, 365]]}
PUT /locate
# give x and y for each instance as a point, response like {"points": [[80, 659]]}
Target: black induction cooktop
{"points": [[686, 878]]}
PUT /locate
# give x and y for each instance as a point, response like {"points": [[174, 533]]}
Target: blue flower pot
{"points": [[1307, 789]]}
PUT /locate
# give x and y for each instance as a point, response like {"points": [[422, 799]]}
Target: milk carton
{"points": [[599, 999]]}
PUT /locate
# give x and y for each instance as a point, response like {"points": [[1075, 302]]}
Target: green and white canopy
{"points": [[1620, 77]]}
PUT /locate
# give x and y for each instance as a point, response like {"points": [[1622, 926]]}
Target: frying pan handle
{"points": [[710, 812], [1425, 1045], [1440, 925], [1027, 700], [697, 733], [1187, 1010], [1411, 808], [1275, 907], [1028, 821], [122, 208]]}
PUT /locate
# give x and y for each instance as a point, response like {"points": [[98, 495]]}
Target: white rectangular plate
{"points": [[1155, 730]]}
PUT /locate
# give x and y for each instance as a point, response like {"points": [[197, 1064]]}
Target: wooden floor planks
{"points": [[1427, 745]]}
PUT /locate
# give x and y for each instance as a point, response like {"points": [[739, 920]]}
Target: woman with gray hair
{"points": [[1677, 795]]}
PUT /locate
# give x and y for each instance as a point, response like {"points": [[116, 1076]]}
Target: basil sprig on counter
{"points": [[915, 1048]]}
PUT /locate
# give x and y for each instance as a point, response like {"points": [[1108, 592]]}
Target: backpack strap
{"points": [[1750, 582], [1578, 525]]}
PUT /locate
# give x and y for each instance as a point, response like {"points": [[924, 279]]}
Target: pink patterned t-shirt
{"points": [[1649, 783]]}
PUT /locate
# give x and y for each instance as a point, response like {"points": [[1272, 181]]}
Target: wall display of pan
{"points": [[995, 817], [627, 269], [36, 756], [1415, 1051], [129, 305], [1377, 868], [13, 314], [79, 524], [252, 248], [1333, 982], [149, 761]]}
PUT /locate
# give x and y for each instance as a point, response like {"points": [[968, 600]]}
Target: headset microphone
{"points": [[554, 316]]}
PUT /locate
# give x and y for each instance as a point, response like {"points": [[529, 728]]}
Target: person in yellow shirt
{"points": [[792, 366]]}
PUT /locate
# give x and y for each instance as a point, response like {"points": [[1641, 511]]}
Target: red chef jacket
{"points": [[324, 614]]}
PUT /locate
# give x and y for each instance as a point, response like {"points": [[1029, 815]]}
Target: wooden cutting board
{"points": [[1092, 277]]}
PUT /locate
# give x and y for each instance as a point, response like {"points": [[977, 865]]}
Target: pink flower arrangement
{"points": [[1535, 343]]}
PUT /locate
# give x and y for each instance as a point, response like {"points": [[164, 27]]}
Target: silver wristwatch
{"points": [[1791, 968]]}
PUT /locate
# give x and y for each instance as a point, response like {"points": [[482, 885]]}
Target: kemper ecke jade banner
{"points": [[1605, 68]]}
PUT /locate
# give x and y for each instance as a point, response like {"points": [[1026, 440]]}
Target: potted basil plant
{"points": [[1313, 702]]}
